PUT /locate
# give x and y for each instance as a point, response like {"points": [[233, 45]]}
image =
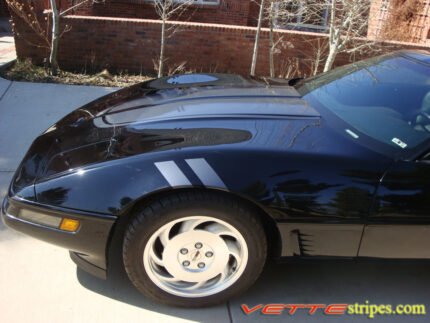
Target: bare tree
{"points": [[347, 25], [278, 10], [272, 44], [55, 37], [257, 37], [345, 21], [319, 48], [25, 11], [56, 34], [280, 14], [166, 10]]}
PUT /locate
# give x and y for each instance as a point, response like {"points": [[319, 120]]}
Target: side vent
{"points": [[302, 245]]}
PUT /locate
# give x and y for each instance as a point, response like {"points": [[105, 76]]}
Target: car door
{"points": [[399, 225]]}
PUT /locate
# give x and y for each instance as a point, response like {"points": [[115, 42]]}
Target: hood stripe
{"points": [[205, 172], [172, 173]]}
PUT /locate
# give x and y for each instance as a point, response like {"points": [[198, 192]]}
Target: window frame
{"points": [[199, 3]]}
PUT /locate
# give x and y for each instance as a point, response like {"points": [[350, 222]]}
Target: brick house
{"points": [[243, 13], [416, 20], [218, 37], [228, 12]]}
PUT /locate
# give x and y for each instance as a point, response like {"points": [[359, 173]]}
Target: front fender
{"points": [[111, 187], [290, 186]]}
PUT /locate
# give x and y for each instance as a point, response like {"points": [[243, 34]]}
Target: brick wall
{"points": [[231, 12], [27, 42], [121, 44], [83, 9], [132, 44], [254, 10]]}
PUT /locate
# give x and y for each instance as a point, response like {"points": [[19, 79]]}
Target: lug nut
{"points": [[186, 263], [209, 254], [201, 265], [184, 251], [198, 245]]}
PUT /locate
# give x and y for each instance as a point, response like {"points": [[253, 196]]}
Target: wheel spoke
{"points": [[168, 279], [219, 229], [190, 225], [224, 274], [234, 250], [195, 286], [155, 258], [164, 236]]}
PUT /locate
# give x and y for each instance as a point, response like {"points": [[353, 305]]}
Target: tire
{"points": [[194, 249]]}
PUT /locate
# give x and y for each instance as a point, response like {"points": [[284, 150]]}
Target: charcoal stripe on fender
{"points": [[172, 173], [205, 172], [176, 177]]}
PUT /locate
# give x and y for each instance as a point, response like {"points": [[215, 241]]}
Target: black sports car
{"points": [[203, 176]]}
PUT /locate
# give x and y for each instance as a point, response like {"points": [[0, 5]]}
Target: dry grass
{"points": [[26, 71]]}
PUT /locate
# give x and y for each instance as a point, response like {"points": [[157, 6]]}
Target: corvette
{"points": [[203, 177]]}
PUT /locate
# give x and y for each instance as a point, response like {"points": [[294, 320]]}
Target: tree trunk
{"points": [[257, 38], [162, 44], [55, 38], [316, 62], [330, 59], [272, 43], [333, 38]]}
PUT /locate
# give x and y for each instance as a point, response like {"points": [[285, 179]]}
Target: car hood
{"points": [[148, 117]]}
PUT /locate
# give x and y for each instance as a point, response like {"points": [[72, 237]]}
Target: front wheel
{"points": [[194, 249]]}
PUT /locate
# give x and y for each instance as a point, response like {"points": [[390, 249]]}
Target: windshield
{"points": [[382, 102]]}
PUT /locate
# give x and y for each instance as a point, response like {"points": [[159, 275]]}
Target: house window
{"points": [[207, 2], [196, 2], [310, 15]]}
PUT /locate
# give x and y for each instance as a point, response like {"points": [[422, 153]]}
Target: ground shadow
{"points": [[315, 281], [340, 281], [119, 287]]}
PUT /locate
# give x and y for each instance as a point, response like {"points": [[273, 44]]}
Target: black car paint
{"points": [[87, 245], [328, 195]]}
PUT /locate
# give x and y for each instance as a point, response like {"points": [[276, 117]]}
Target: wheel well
{"points": [[114, 250]]}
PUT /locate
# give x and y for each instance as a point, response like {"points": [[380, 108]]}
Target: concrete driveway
{"points": [[39, 283]]}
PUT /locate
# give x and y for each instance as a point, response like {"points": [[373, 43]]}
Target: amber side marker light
{"points": [[69, 225]]}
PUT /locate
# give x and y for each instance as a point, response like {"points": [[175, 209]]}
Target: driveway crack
{"points": [[230, 316], [5, 91]]}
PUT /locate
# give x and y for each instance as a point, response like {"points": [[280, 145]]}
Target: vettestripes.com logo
{"points": [[365, 309]]}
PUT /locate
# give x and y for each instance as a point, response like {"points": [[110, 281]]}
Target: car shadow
{"points": [[310, 281], [118, 287], [339, 281]]}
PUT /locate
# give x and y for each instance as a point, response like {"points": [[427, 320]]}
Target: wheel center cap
{"points": [[195, 255], [185, 262]]}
